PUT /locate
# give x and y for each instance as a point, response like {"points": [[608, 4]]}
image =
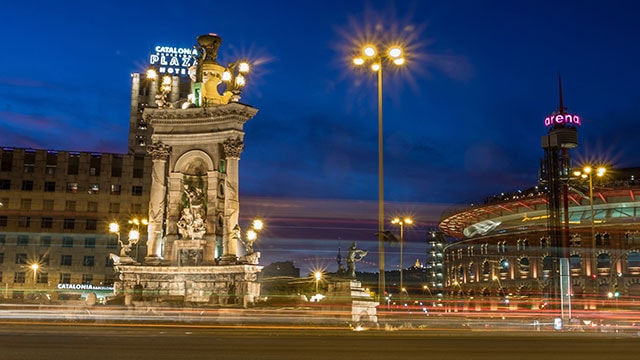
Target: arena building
{"points": [[504, 255]]}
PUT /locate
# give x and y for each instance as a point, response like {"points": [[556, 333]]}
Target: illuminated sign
{"points": [[173, 60], [84, 287], [559, 119]]}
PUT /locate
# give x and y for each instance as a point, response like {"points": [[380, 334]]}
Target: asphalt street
{"points": [[158, 342]]}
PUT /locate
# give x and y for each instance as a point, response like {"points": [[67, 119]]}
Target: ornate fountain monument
{"points": [[194, 252]]}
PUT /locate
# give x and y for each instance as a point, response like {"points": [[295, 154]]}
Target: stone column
{"points": [[157, 201], [232, 148]]}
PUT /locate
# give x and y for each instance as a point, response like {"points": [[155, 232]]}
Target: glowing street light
{"points": [[35, 267], [587, 172], [317, 275], [401, 223], [372, 56]]}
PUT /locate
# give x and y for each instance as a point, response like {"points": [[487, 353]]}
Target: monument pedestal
{"points": [[232, 285], [348, 297]]}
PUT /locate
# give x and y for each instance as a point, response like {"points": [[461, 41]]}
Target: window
{"points": [[74, 164], [92, 206], [138, 166], [25, 204], [47, 223], [72, 187], [112, 242], [1, 258], [24, 221], [92, 224], [3, 239], [89, 260], [44, 259], [87, 278], [3, 221], [114, 207], [27, 185], [116, 166], [6, 164], [19, 277], [70, 205], [94, 189], [49, 186], [52, 162], [136, 208], [65, 278], [23, 240], [47, 205], [69, 224], [43, 278], [94, 164], [136, 190], [21, 259], [115, 189], [67, 242], [5, 184], [29, 161], [65, 260], [45, 241], [90, 242]]}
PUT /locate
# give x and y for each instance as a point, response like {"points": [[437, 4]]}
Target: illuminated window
{"points": [[94, 189], [72, 187], [115, 189]]}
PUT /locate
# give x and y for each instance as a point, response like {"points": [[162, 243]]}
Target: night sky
{"points": [[462, 121]]}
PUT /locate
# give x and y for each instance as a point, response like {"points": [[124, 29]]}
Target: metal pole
{"points": [[401, 267], [381, 277], [593, 235]]}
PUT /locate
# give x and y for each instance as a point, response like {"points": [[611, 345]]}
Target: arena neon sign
{"points": [[173, 60], [566, 119]]}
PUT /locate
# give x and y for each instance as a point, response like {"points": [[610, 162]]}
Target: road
{"points": [[158, 342]]}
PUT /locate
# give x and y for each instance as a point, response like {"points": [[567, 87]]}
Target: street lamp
{"points": [[35, 267], [134, 232], [401, 222], [371, 55], [114, 228], [318, 276], [588, 172]]}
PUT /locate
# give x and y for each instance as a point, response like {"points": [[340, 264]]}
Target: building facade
{"points": [[505, 257]]}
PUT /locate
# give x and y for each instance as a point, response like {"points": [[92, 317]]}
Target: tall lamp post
{"points": [[402, 222], [370, 55]]}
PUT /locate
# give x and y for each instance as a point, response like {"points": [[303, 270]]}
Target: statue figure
{"points": [[191, 223], [341, 269], [354, 255]]}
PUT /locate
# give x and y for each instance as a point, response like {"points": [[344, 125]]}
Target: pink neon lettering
{"points": [[562, 119]]}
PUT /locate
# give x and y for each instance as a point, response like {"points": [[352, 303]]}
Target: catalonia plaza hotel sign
{"points": [[173, 60]]}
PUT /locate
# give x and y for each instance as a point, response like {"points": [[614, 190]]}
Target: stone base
{"points": [[233, 285], [349, 294]]}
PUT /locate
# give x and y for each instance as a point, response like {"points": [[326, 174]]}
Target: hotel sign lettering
{"points": [[173, 60]]}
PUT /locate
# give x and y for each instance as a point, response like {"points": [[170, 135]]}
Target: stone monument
{"points": [[193, 247]]}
